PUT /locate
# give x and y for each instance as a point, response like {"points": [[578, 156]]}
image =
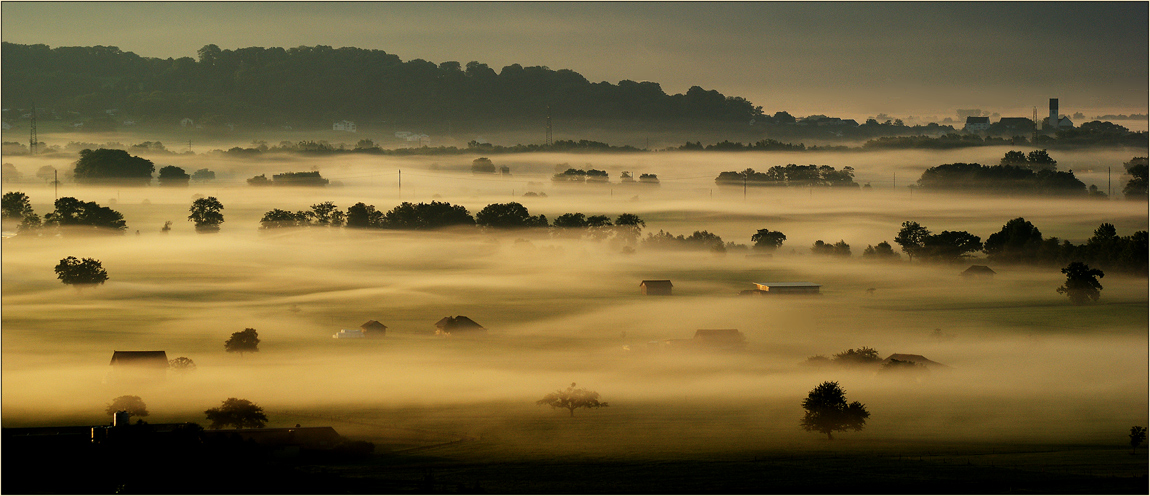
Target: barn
{"points": [[656, 287], [978, 272], [461, 325], [373, 328], [773, 288], [139, 365]]}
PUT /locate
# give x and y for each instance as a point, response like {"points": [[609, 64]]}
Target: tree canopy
{"points": [[71, 212], [827, 411], [86, 272], [173, 176], [768, 240], [572, 398], [243, 341], [104, 165], [131, 404], [237, 412], [1081, 284], [508, 215], [205, 212]]}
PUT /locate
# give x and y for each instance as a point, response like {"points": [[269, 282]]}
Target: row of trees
{"points": [[79, 216], [791, 175]]}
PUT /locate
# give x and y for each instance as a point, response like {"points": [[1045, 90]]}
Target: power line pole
{"points": [[55, 186], [401, 184], [549, 142], [34, 140]]}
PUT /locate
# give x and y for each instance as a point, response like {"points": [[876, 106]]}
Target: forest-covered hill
{"points": [[298, 86]]}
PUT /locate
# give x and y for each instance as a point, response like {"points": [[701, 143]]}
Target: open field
{"points": [[1035, 385]]}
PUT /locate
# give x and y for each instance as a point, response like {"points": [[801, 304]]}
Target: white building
{"points": [[348, 334], [346, 126], [976, 124]]}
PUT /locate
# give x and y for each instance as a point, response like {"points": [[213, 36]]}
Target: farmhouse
{"points": [[139, 365], [978, 272], [373, 328], [460, 325], [656, 287], [772, 288]]}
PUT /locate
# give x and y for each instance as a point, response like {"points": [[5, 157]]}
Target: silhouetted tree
{"points": [[840, 249], [360, 216], [1081, 284], [205, 212], [237, 412], [173, 176], [1017, 239], [327, 214], [828, 411], [1014, 158], [949, 245], [482, 165], [853, 357], [86, 272], [117, 166], [182, 365], [1137, 436], [629, 227], [1040, 160], [768, 240], [204, 175], [246, 340], [432, 215], [1136, 187], [131, 404], [508, 215], [572, 398], [15, 205], [911, 238], [882, 250], [71, 212]]}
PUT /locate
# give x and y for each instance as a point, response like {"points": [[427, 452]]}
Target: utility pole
{"points": [[1109, 191], [744, 185], [549, 142], [401, 185], [1035, 125], [55, 186]]}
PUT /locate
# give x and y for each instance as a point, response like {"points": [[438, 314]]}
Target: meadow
{"points": [[1030, 375]]}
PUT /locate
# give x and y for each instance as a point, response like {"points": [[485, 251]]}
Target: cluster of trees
{"points": [[791, 175], [918, 241], [1095, 133], [1001, 179], [289, 179], [1020, 241], [70, 213], [81, 273], [248, 85], [697, 241], [765, 144], [840, 249], [1036, 160], [850, 358], [324, 214], [1135, 188]]}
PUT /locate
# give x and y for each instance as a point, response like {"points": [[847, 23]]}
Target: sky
{"points": [[850, 59]]}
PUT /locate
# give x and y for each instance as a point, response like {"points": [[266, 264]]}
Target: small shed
{"points": [[978, 272], [772, 288], [373, 328], [460, 325], [653, 287], [349, 334], [720, 338]]}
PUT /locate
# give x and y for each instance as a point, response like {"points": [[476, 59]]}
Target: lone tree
{"points": [[1137, 435], [182, 365], [246, 340], [15, 205], [205, 212], [131, 404], [1081, 284], [173, 176], [572, 398], [911, 238], [828, 411], [112, 166], [237, 412], [766, 239], [86, 272]]}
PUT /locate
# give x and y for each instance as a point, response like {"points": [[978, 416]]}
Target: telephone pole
{"points": [[34, 140], [401, 184], [549, 142]]}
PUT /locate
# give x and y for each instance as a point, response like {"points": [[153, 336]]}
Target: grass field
{"points": [[1038, 392]]}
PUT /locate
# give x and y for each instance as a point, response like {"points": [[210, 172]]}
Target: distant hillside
{"points": [[276, 87]]}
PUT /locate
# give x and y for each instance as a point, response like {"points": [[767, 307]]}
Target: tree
{"points": [[325, 214], [361, 216], [237, 412], [629, 227], [768, 240], [572, 398], [112, 166], [131, 404], [828, 411], [173, 176], [205, 212], [505, 216], [911, 238], [1136, 187], [853, 357], [1081, 284], [482, 165], [1014, 158], [1017, 239], [882, 250], [204, 175], [1137, 435], [71, 212], [182, 365], [15, 205], [47, 173], [86, 272], [840, 249], [246, 340], [950, 245], [1040, 160]]}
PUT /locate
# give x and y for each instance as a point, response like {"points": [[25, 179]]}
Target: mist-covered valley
{"points": [[563, 309]]}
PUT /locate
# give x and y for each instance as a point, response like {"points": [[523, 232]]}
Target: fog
{"points": [[1024, 364]]}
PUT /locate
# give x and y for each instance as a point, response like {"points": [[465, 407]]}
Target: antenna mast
{"points": [[549, 143], [33, 140], [1035, 124]]}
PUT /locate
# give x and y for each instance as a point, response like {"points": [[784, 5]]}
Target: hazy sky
{"points": [[851, 59]]}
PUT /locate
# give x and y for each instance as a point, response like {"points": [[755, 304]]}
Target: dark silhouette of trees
{"points": [[1014, 158], [243, 341], [15, 205], [949, 245], [1081, 284], [182, 365], [277, 218], [1017, 240], [482, 165], [360, 216], [802, 176], [508, 216], [239, 413], [1001, 180], [1039, 160], [840, 249], [86, 272], [768, 240], [828, 411], [911, 238], [205, 212], [104, 165], [311, 178], [173, 176], [572, 398], [698, 240], [203, 175], [881, 251], [853, 357], [1137, 436], [628, 227], [1135, 188], [432, 215], [327, 214], [73, 213], [131, 404]]}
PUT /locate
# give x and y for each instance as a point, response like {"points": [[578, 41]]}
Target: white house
{"points": [[348, 334], [976, 124], [347, 126]]}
